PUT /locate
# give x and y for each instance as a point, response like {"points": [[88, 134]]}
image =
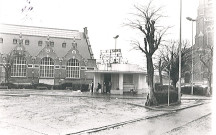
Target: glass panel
{"points": [[19, 67], [47, 67], [73, 68]]}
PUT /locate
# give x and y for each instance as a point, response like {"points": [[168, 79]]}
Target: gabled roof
{"points": [[35, 34], [38, 31]]}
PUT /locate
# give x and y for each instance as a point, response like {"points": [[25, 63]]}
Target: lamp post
{"points": [[115, 46], [192, 20], [33, 77], [179, 87]]}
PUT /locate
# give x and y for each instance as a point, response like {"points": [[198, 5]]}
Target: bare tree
{"points": [[8, 60], [160, 65], [171, 61], [7, 63], [147, 16], [26, 10], [206, 57]]}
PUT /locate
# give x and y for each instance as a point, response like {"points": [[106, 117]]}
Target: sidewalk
{"points": [[62, 106], [88, 94], [70, 93]]}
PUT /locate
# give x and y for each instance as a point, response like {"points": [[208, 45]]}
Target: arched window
{"points": [[18, 68], [73, 68], [47, 67]]}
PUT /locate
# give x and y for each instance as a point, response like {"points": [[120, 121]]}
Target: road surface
{"points": [[187, 122]]}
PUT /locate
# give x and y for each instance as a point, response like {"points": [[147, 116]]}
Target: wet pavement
{"points": [[165, 124], [74, 112], [88, 94]]}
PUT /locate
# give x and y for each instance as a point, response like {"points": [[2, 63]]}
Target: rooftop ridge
{"points": [[39, 31], [30, 26]]}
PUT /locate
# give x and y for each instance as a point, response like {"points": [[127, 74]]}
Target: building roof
{"points": [[39, 31], [116, 72], [34, 34], [119, 68]]}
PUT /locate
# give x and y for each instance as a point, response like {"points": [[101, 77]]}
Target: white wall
{"points": [[142, 86]]}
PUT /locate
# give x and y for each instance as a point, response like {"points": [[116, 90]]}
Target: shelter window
{"points": [[83, 68], [47, 67], [19, 67], [57, 67], [36, 66], [128, 78], [30, 66], [73, 68], [90, 68]]}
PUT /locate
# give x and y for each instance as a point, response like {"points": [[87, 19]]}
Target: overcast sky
{"points": [[104, 19]]}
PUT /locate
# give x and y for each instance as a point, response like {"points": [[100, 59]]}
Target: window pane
{"points": [[19, 67], [47, 67], [73, 68]]}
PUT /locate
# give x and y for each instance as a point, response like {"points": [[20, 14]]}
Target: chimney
{"points": [[85, 31]]}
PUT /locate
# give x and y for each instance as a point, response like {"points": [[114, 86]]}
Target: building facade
{"points": [[204, 39], [44, 55], [120, 79]]}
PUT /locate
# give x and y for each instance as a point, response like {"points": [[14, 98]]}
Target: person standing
{"points": [[98, 87], [109, 86], [92, 86]]}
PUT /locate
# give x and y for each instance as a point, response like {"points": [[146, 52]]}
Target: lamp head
{"points": [[190, 19]]}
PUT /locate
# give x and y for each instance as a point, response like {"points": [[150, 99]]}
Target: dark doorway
{"points": [[107, 83]]}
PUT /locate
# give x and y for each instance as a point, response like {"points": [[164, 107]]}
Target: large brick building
{"points": [[44, 55], [204, 39]]}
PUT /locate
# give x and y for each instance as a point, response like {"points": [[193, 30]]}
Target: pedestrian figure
{"points": [[104, 87], [109, 86], [98, 87], [92, 86]]}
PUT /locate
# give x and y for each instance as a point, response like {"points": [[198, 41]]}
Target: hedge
{"points": [[163, 87], [10, 85], [197, 90], [82, 87], [162, 96]]}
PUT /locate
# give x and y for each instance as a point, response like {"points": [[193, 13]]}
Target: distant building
{"points": [[45, 55], [204, 36], [120, 79], [124, 78], [110, 56]]}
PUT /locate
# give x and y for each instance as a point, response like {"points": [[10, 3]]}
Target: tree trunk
{"points": [[174, 84], [6, 76], [160, 76], [209, 91], [7, 73], [151, 99]]}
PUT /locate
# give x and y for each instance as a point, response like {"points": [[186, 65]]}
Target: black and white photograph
{"points": [[107, 67]]}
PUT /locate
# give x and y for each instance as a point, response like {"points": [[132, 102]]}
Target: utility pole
{"points": [[179, 87], [115, 46], [192, 20]]}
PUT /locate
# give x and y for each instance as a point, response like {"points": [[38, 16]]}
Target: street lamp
{"points": [[33, 77], [115, 46], [180, 38], [192, 20]]}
